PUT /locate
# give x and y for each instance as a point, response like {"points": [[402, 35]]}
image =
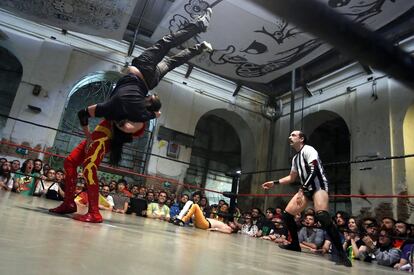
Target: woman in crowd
{"points": [[25, 179]]}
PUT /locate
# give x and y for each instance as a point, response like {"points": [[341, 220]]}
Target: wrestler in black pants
{"points": [[151, 63]]}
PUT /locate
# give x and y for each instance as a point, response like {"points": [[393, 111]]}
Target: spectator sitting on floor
{"points": [[102, 183], [134, 191], [257, 216], [38, 166], [121, 201], [6, 178], [220, 203], [279, 234], [150, 196], [2, 160], [213, 211], [369, 234], [106, 202], [341, 221], [159, 210], [15, 166], [383, 250], [168, 202], [125, 189], [248, 228], [142, 192], [401, 232], [178, 206], [45, 168], [310, 237], [49, 188], [60, 179], [112, 186], [173, 198], [279, 212], [204, 206], [387, 223], [267, 226], [223, 213], [404, 263], [352, 240], [196, 197], [25, 180]]}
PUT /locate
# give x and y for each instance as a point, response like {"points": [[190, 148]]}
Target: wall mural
{"points": [[107, 18], [252, 44]]}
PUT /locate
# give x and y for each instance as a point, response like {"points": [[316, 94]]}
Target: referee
{"points": [[307, 166]]}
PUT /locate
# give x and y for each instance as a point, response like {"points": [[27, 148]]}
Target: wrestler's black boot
{"points": [[293, 232], [333, 233], [204, 21]]}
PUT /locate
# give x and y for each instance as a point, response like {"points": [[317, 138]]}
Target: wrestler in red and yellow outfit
{"points": [[90, 160]]}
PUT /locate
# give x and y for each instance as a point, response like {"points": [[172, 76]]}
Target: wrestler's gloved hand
{"points": [[83, 116]]}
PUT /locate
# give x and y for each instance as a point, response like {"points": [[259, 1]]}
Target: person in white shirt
{"points": [[108, 202]]}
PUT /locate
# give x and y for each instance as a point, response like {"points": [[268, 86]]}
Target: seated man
{"points": [[159, 210], [176, 208], [106, 202], [267, 225], [247, 227], [384, 252], [310, 238], [202, 222], [121, 201], [279, 234], [6, 178], [142, 193]]}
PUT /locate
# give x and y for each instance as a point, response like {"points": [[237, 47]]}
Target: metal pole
{"points": [[270, 155], [233, 199], [292, 102], [132, 45]]}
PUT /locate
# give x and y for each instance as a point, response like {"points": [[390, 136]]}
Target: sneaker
{"points": [[178, 222], [204, 21], [291, 247], [205, 47]]}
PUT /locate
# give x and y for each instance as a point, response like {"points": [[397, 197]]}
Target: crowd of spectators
{"points": [[386, 241]]}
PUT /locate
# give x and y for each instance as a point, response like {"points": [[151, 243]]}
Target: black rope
{"points": [[339, 163]]}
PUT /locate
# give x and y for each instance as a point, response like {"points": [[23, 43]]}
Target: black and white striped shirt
{"points": [[309, 167]]}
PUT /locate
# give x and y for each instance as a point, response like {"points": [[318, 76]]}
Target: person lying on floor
{"points": [[201, 222]]}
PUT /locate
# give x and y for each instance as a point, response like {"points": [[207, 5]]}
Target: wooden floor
{"points": [[32, 241]]}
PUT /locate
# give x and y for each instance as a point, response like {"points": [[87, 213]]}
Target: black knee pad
{"points": [[287, 216], [324, 218]]}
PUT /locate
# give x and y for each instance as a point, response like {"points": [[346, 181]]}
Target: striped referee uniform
{"points": [[309, 167]]}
